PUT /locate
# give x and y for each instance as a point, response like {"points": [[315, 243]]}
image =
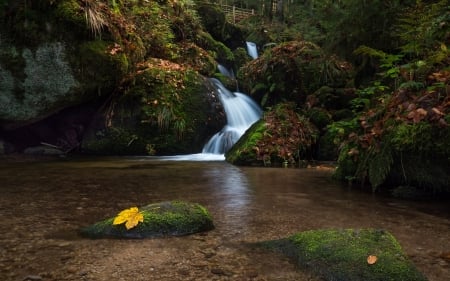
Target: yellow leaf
{"points": [[131, 217], [372, 259]]}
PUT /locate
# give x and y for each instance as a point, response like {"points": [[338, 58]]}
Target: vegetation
{"points": [[369, 82], [281, 137], [174, 218], [348, 254], [399, 135]]}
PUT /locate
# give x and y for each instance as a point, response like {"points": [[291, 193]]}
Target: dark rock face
{"points": [[67, 80], [63, 130], [214, 19]]}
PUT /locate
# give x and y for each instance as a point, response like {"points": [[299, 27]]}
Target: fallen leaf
{"points": [[372, 259], [131, 217]]}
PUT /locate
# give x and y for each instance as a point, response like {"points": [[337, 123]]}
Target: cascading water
{"points": [[252, 50], [225, 71], [241, 112]]}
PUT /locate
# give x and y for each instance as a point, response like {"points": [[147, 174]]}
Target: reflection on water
{"points": [[189, 157], [229, 184], [247, 204]]}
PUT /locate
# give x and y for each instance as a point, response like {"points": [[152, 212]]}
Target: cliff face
{"points": [[67, 63]]}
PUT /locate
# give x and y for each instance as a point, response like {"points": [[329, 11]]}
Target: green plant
{"points": [[94, 17]]}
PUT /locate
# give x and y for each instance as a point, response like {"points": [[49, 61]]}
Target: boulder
{"points": [[349, 254], [281, 137], [174, 218]]}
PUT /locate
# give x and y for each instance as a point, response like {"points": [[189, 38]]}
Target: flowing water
{"points": [[241, 112], [252, 50], [43, 204]]}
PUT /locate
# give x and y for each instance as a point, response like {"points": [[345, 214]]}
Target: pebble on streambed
{"points": [[170, 218]]}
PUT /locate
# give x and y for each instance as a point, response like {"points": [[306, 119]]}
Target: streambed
{"points": [[44, 203]]}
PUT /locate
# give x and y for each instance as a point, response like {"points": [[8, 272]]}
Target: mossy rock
{"points": [[342, 254], [171, 218], [280, 136], [291, 71]]}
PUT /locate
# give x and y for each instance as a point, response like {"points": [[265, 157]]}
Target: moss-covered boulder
{"points": [[214, 20], [349, 254], [282, 136], [174, 218], [50, 60], [291, 71], [136, 64], [168, 109]]}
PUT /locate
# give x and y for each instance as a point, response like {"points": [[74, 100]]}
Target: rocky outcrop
{"points": [[58, 58], [168, 109]]}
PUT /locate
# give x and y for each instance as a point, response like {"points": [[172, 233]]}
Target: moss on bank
{"points": [[174, 218], [282, 136], [342, 254]]}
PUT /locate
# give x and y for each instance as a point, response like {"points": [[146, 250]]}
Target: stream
{"points": [[44, 203]]}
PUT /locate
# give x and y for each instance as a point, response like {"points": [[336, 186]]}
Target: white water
{"points": [[241, 112], [225, 71], [252, 50]]}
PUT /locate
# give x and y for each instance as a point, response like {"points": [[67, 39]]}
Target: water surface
{"points": [[43, 204]]}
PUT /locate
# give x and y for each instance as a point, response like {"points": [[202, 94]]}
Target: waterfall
{"points": [[252, 50], [241, 112], [225, 71]]}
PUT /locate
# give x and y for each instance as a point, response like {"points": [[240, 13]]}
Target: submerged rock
{"points": [[349, 254], [174, 218]]}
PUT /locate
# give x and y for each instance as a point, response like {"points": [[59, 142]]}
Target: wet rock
{"points": [[342, 254], [174, 218], [220, 271], [32, 278], [43, 150]]}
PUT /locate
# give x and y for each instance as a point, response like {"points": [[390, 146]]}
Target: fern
{"points": [[180, 128], [379, 166], [164, 117]]}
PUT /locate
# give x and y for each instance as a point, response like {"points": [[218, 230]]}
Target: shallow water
{"points": [[43, 204]]}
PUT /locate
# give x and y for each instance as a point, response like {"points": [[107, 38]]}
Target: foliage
{"points": [[409, 122], [336, 26], [402, 117], [172, 218], [420, 26], [94, 17], [116, 140], [281, 136], [348, 254], [170, 107], [291, 71], [131, 217]]}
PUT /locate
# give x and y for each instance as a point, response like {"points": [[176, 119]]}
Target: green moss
{"points": [[242, 152], [319, 117], [283, 136], [342, 255], [101, 66], [175, 218], [116, 141], [71, 12]]}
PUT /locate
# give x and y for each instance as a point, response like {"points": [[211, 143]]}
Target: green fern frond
{"points": [[164, 117], [379, 167]]}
